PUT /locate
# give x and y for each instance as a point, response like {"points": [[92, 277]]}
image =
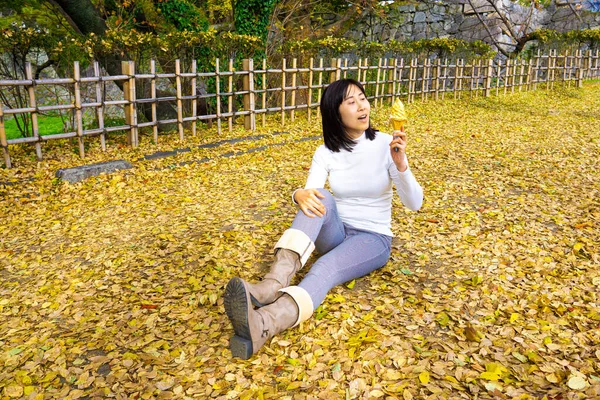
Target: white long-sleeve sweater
{"points": [[361, 182]]}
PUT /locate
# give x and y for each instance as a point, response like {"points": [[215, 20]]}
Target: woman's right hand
{"points": [[309, 203]]}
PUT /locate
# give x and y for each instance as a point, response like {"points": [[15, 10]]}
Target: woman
{"points": [[350, 229]]}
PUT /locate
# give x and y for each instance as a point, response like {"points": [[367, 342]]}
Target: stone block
{"points": [[435, 17], [420, 17], [407, 8], [439, 9], [77, 174], [480, 6], [436, 28], [419, 28], [469, 24], [420, 31]]}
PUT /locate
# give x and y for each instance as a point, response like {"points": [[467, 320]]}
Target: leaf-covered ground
{"points": [[113, 287]]}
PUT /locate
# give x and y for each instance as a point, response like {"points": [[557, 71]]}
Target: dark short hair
{"points": [[334, 134]]}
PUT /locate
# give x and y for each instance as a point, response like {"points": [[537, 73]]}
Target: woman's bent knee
{"points": [[328, 199]]}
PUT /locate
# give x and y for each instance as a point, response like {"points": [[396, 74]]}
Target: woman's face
{"points": [[354, 110]]}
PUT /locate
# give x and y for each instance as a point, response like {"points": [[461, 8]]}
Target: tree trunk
{"points": [[85, 19]]}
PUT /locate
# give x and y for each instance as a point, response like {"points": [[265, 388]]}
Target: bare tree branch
{"points": [[487, 28], [40, 68], [575, 11]]}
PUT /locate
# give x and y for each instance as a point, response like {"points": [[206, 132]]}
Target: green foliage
{"points": [[337, 47], [183, 15], [371, 49], [252, 17], [539, 4], [326, 47], [545, 35], [443, 48], [546, 39], [131, 44]]}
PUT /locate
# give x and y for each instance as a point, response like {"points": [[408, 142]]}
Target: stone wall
{"points": [[413, 20]]}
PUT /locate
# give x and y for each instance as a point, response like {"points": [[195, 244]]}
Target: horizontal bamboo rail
{"points": [[285, 90]]}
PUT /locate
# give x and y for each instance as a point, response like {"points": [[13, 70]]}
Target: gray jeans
{"points": [[346, 253]]}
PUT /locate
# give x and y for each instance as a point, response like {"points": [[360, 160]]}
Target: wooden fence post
{"points": [[33, 104], [230, 96], [78, 110], [457, 78], [153, 96], [410, 80], [445, 78], [294, 75], [195, 97], [551, 66], [128, 68], [179, 101], [100, 108], [566, 70], [310, 87], [521, 72], [436, 79], [384, 80], [3, 140], [332, 73], [488, 77], [345, 74], [217, 94], [506, 75], [587, 64], [528, 76], [320, 85], [536, 75], [248, 87], [377, 81], [365, 78], [283, 68], [391, 77], [425, 81], [580, 69], [264, 92]]}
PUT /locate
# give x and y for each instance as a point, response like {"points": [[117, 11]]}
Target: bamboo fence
{"points": [[257, 90]]}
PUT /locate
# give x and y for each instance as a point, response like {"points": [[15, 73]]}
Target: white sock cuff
{"points": [[303, 301], [298, 242]]}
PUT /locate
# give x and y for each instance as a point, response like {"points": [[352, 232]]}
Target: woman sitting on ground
{"points": [[350, 229]]}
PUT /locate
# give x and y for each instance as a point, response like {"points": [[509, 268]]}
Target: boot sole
{"points": [[236, 307]]}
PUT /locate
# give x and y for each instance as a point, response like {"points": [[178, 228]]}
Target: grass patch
{"points": [[47, 125], [52, 125]]}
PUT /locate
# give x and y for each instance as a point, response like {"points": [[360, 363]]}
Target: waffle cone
{"points": [[398, 125]]}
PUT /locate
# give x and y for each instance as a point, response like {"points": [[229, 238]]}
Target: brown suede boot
{"points": [[253, 328], [291, 252], [287, 263]]}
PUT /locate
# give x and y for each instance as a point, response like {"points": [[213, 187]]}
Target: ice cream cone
{"points": [[398, 118]]}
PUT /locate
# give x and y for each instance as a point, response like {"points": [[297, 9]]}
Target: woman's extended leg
{"points": [[361, 253], [295, 246], [287, 306]]}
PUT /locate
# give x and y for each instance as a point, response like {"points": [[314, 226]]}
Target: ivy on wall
{"points": [[252, 17], [183, 15]]}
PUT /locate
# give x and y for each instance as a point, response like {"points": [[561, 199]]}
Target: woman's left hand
{"points": [[399, 156]]}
